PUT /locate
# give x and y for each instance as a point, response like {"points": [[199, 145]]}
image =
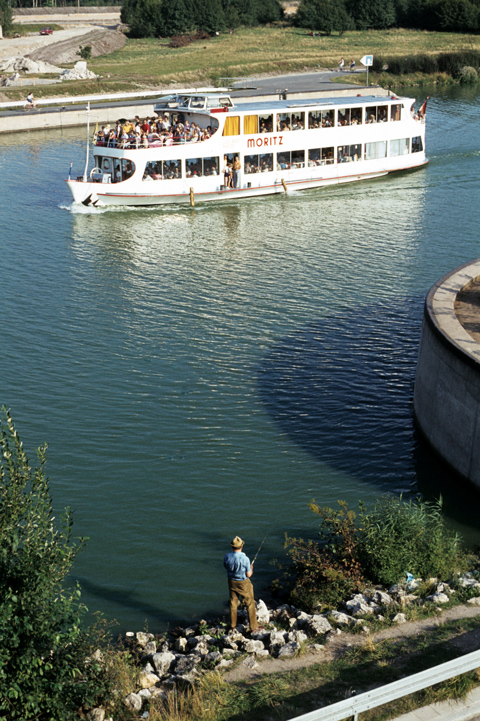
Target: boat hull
{"points": [[97, 195]]}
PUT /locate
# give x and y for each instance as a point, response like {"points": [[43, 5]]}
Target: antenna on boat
{"points": [[88, 142]]}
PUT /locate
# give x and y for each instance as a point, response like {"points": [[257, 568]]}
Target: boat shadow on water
{"points": [[342, 389]]}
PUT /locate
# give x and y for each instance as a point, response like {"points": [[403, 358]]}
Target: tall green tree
{"points": [[45, 672], [326, 16], [5, 16], [371, 14]]}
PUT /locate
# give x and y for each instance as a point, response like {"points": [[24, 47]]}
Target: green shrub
{"points": [[399, 536], [45, 672], [377, 546], [85, 52], [468, 74]]}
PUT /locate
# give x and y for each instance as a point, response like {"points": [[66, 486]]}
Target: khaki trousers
{"points": [[244, 589]]}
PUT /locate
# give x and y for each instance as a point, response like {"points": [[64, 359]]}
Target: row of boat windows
{"points": [[283, 122], [121, 169]]}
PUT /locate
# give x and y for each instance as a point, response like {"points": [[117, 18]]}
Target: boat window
{"points": [[197, 102], [211, 166], [371, 114], [163, 170], [395, 112], [349, 153], [377, 150], [232, 125], [399, 147], [194, 167], [258, 163], [290, 121], [314, 119], [328, 118], [356, 116], [265, 123], [128, 169], [320, 156], [417, 144], [291, 160], [382, 114], [343, 117]]}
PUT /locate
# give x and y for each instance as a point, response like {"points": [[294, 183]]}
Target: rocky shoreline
{"points": [[178, 659]]}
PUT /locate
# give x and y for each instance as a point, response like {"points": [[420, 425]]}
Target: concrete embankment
{"points": [[447, 387]]}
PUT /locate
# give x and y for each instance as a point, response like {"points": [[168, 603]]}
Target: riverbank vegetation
{"points": [[151, 63], [371, 547], [54, 665]]}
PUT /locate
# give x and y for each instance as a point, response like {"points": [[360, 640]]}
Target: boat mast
{"points": [[88, 142]]}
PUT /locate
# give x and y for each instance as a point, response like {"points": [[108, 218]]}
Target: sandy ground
{"points": [[338, 644], [18, 47]]}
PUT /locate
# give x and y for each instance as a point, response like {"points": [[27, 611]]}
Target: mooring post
{"points": [[284, 186], [192, 197]]}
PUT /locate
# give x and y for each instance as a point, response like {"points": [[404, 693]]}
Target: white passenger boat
{"points": [[247, 148]]}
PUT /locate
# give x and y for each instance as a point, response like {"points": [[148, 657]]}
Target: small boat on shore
{"points": [[206, 147]]}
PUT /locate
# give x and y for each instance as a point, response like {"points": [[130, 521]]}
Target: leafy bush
{"points": [[377, 546], [85, 52], [468, 74], [330, 570], [45, 670], [399, 536]]}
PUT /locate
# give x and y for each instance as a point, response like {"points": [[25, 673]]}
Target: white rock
{"points": [[252, 646], [438, 598], [181, 644], [297, 636], [318, 625], [144, 693], [316, 647], [263, 614], [290, 649], [341, 618], [382, 598], [400, 618], [474, 601], [145, 680], [162, 662], [225, 663], [250, 662], [133, 701], [96, 714]]}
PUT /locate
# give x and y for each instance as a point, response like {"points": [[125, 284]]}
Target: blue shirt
{"points": [[237, 565]]}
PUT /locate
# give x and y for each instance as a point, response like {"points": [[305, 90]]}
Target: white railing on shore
{"points": [[393, 691], [112, 97]]}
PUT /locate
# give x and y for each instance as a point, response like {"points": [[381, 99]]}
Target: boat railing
{"points": [[160, 142]]}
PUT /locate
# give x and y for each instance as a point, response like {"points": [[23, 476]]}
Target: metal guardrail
{"points": [[393, 691]]}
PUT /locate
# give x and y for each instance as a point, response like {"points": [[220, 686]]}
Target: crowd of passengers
{"points": [[152, 132]]}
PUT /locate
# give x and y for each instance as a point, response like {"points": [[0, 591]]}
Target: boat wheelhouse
{"points": [[208, 147]]}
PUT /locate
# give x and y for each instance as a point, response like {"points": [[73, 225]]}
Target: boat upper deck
{"points": [[208, 103]]}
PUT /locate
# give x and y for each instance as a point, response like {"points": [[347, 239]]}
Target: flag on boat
{"points": [[70, 171], [423, 109]]}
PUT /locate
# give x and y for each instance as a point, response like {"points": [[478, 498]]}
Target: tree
{"points": [[144, 17], [45, 671], [371, 14], [326, 16], [5, 16]]}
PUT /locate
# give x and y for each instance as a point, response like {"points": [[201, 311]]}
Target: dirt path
{"points": [[19, 47], [339, 643]]}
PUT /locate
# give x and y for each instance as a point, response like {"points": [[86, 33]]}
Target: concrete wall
{"points": [[447, 386]]}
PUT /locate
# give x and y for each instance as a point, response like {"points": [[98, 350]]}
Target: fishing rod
{"points": [[260, 546]]}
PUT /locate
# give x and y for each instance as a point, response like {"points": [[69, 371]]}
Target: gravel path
{"points": [[19, 47]]}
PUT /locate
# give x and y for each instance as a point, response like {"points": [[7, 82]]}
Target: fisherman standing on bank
{"points": [[239, 572]]}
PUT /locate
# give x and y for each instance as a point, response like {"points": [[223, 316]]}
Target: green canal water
{"points": [[201, 373]]}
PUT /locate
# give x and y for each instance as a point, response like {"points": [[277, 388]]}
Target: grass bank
{"points": [[151, 63]]}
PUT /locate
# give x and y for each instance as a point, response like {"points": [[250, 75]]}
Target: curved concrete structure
{"points": [[447, 386]]}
